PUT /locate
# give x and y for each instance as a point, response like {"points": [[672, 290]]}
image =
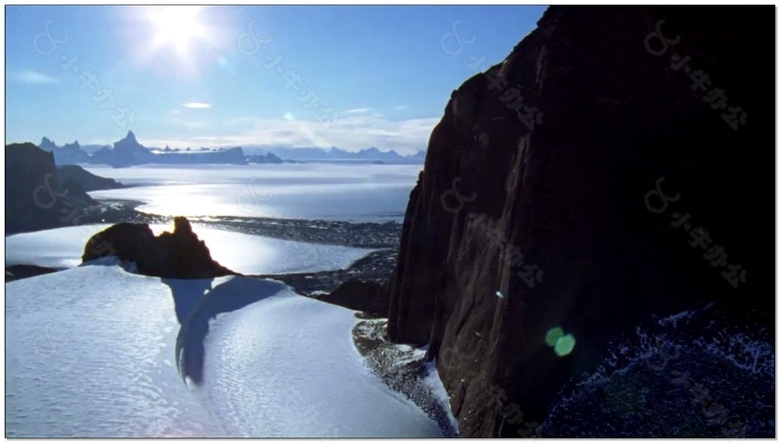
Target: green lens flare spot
{"points": [[564, 345], [553, 335]]}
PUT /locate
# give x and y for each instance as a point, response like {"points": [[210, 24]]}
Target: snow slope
{"points": [[91, 351], [244, 253], [323, 390]]}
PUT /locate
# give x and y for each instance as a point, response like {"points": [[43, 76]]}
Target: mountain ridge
{"points": [[129, 152]]}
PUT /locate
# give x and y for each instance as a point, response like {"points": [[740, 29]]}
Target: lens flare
{"points": [[564, 345], [553, 335]]}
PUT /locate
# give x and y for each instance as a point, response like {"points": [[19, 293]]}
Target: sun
{"points": [[177, 26]]}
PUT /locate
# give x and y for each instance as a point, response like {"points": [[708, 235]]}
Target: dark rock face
{"points": [[366, 296], [173, 255], [77, 178], [18, 272], [129, 152], [34, 198], [267, 158], [515, 229]]}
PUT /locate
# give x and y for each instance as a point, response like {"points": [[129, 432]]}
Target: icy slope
{"points": [[312, 379], [91, 351]]}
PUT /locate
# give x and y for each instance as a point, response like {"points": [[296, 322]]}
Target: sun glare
{"points": [[177, 26]]}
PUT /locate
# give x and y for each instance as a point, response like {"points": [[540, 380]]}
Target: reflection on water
{"points": [[360, 193], [244, 253]]}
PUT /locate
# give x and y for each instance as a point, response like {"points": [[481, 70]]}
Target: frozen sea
{"points": [[95, 351], [345, 192], [244, 253]]}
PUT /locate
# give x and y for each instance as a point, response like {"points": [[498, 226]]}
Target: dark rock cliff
{"points": [[78, 178], [34, 198], [522, 224], [179, 254], [359, 295]]}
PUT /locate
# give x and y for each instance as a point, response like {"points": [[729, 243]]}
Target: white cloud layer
{"points": [[351, 133]]}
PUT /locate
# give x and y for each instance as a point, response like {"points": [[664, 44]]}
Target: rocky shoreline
{"points": [[403, 369]]}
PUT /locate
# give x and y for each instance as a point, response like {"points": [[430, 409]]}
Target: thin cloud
{"points": [[36, 78], [196, 105], [351, 133], [402, 107], [358, 110]]}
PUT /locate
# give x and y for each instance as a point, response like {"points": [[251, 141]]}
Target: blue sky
{"points": [[178, 77]]}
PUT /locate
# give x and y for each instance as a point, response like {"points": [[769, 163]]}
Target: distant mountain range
{"points": [[129, 152], [334, 154]]}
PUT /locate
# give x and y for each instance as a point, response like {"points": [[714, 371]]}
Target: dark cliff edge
{"points": [[34, 198], [80, 180], [359, 295], [512, 231]]}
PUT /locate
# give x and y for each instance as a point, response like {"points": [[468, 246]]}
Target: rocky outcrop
{"points": [[173, 255], [585, 206], [69, 154], [34, 198], [18, 272], [359, 295], [126, 152], [129, 152], [267, 158], [78, 178], [48, 145]]}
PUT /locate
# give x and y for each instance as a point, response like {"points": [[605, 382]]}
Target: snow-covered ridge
{"points": [[92, 351]]}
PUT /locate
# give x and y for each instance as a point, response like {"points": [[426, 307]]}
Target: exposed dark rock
{"points": [[129, 152], [18, 272], [33, 197], [77, 178], [366, 296], [573, 195], [403, 369], [173, 255], [267, 158]]}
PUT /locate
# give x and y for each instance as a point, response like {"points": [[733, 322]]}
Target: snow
{"points": [[324, 390], [91, 351], [433, 380], [244, 253], [364, 193]]}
